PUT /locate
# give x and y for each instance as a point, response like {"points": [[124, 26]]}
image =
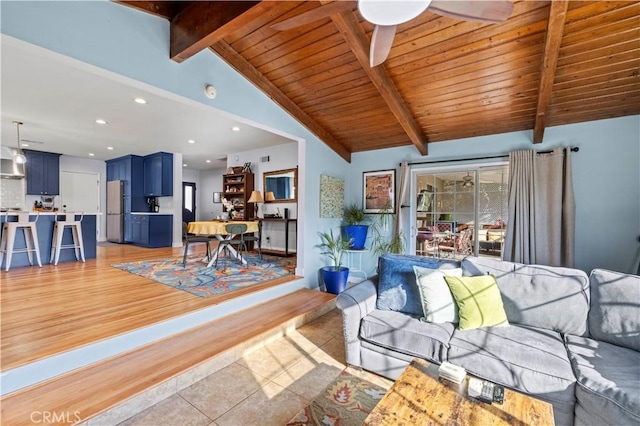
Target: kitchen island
{"points": [[44, 225]]}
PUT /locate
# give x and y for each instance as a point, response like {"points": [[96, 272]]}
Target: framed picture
{"points": [[379, 191], [217, 197]]}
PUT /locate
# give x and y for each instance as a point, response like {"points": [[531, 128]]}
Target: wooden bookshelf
{"points": [[237, 188]]}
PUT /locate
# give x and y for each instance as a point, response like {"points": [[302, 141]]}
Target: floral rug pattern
{"points": [[346, 401], [196, 278]]}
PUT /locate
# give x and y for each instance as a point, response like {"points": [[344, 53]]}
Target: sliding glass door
{"points": [[459, 212]]}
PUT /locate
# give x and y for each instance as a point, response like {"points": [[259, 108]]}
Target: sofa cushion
{"points": [[608, 389], [615, 308], [548, 297], [435, 297], [528, 359], [406, 334], [397, 288], [479, 302]]}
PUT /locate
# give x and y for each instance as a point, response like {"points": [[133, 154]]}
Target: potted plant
{"points": [[355, 228], [334, 277], [383, 239]]}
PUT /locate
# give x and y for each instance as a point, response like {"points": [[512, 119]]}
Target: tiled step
{"points": [[121, 386]]}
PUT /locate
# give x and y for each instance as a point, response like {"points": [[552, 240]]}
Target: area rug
{"points": [[200, 280], [347, 401]]}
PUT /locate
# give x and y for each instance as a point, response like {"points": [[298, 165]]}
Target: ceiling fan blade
{"points": [[313, 15], [491, 11], [381, 42]]}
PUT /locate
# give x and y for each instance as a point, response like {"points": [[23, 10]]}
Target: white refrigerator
{"points": [[115, 211]]}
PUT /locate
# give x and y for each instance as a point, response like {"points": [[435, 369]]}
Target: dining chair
{"points": [[256, 238], [232, 230], [192, 238]]}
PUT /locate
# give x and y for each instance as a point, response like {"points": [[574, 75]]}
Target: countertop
{"points": [[32, 213]]}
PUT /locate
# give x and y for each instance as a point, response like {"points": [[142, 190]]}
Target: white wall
{"points": [[210, 182], [281, 157], [85, 165]]}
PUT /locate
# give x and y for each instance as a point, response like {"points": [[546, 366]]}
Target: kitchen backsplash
{"points": [[12, 193]]}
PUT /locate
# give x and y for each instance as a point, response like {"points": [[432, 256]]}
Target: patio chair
{"points": [[458, 245]]}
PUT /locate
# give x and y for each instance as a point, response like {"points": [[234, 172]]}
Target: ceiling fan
{"points": [[386, 15], [467, 181]]}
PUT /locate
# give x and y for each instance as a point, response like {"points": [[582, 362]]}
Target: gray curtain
{"points": [[403, 199], [541, 226]]}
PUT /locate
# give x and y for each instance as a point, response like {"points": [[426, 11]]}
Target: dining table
{"points": [[217, 229]]}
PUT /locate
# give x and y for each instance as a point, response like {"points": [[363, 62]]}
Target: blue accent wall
{"points": [[606, 178]]}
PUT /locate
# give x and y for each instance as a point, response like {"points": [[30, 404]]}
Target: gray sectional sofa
{"points": [[573, 339]]}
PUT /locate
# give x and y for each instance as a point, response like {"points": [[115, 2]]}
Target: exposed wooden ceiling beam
{"points": [[245, 68], [350, 28], [203, 23], [555, 28], [165, 9]]}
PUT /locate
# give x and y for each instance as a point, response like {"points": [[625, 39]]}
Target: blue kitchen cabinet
{"points": [[130, 170], [152, 230], [42, 173], [158, 175]]}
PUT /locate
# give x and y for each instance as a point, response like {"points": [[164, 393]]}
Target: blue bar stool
{"points": [[9, 230], [68, 220]]}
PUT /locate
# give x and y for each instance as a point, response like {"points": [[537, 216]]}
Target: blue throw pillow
{"points": [[397, 288]]}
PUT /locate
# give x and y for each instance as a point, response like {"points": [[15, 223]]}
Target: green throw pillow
{"points": [[479, 301]]}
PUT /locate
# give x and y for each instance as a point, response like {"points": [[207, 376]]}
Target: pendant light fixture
{"points": [[19, 156]]}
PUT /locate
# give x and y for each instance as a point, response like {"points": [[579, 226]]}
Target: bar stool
{"points": [[69, 219], [9, 230]]}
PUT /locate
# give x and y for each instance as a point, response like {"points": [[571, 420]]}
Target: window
{"points": [[460, 212]]}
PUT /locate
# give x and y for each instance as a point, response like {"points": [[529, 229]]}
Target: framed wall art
{"points": [[331, 196], [379, 191]]}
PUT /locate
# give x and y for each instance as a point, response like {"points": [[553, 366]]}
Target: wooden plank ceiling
{"points": [[444, 79]]}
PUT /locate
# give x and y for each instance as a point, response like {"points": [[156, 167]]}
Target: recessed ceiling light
{"points": [[235, 128], [110, 148], [91, 154], [101, 121], [184, 165], [208, 161], [140, 101], [191, 141], [25, 144]]}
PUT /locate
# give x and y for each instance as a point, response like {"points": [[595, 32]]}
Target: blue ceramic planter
{"points": [[335, 281], [357, 234]]}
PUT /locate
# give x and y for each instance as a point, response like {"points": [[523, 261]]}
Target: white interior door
{"points": [[80, 192]]}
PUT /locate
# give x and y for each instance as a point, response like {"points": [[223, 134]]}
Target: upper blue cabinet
{"points": [[158, 175], [42, 173], [129, 169]]}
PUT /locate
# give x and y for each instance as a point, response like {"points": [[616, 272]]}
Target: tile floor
{"points": [[265, 387]]}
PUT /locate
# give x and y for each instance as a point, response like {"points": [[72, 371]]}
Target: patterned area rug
{"points": [[196, 278], [347, 401]]}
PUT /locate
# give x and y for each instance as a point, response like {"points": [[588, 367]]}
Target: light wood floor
{"points": [[49, 310]]}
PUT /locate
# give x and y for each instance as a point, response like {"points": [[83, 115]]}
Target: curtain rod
{"points": [[574, 149]]}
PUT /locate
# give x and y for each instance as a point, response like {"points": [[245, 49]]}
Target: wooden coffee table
{"points": [[418, 397]]}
